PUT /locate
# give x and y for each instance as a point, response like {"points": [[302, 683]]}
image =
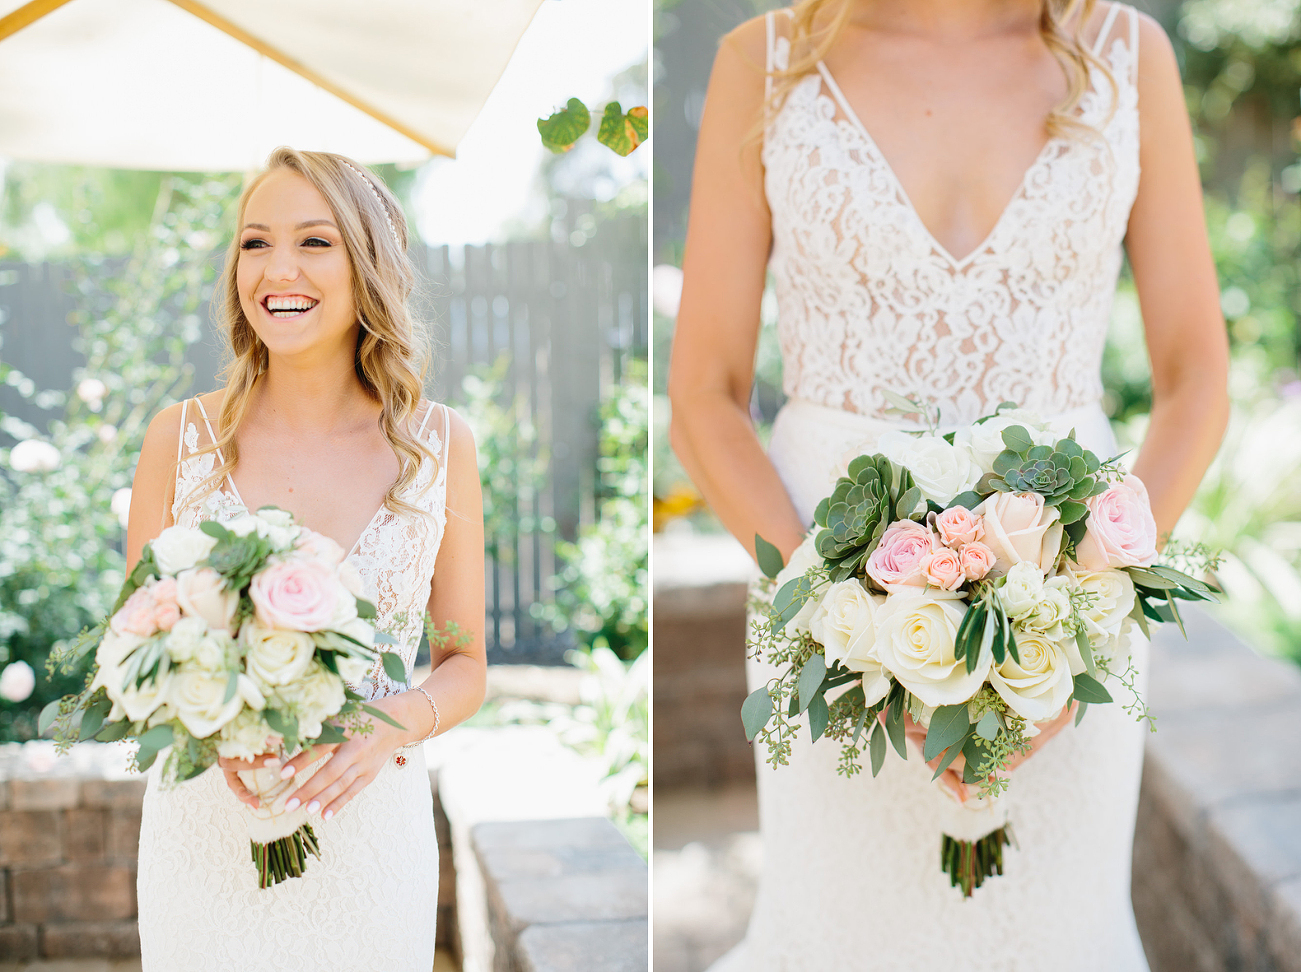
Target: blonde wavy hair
{"points": [[392, 346], [816, 25]]}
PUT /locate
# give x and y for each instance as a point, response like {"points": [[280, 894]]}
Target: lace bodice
{"points": [[869, 300], [395, 554]]}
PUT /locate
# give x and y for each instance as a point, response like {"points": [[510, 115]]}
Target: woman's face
{"points": [[294, 276]]}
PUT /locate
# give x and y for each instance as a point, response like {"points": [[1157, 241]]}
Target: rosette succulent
{"points": [[857, 512], [1065, 474]]}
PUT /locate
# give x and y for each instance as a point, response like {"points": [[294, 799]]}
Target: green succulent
{"points": [[1065, 474], [863, 504]]}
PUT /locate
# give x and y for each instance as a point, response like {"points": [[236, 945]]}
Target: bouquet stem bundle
{"points": [[969, 862], [284, 857]]}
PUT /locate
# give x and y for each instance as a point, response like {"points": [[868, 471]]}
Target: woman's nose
{"points": [[283, 264]]}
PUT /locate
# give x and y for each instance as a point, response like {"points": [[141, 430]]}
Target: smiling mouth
{"points": [[286, 307]]}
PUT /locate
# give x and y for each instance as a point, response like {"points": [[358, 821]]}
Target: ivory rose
{"points": [[140, 702], [804, 557], [977, 560], [844, 624], [941, 471], [944, 569], [1019, 527], [899, 559], [199, 697], [201, 593], [1105, 615], [915, 633], [295, 594], [1120, 530], [246, 736], [314, 698], [985, 441], [958, 526], [276, 656], [1038, 686], [179, 548]]}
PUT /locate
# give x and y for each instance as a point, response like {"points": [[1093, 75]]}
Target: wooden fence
{"points": [[566, 315]]}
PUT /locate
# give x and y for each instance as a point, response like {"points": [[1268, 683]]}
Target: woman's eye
{"points": [[315, 241], [253, 244]]}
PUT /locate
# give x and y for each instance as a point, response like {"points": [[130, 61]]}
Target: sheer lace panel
{"points": [[395, 553], [868, 300]]}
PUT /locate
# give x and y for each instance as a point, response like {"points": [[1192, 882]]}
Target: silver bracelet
{"points": [[399, 758]]}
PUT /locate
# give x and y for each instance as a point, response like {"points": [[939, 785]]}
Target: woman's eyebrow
{"points": [[310, 222]]}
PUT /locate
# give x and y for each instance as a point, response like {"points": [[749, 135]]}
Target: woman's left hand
{"points": [[351, 766]]}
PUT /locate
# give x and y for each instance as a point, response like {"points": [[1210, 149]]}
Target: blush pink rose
{"points": [[1120, 530], [137, 615], [1018, 526], [900, 557], [297, 595], [977, 560], [317, 546], [166, 611], [944, 569], [958, 525]]}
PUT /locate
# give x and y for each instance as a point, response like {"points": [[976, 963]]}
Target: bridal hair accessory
{"points": [[400, 758], [379, 199], [236, 639], [976, 583]]}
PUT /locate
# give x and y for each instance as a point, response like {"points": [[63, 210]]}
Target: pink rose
{"points": [[201, 592], [958, 525], [297, 595], [977, 560], [136, 616], [1019, 527], [317, 546], [944, 569], [1120, 530], [166, 611], [900, 556]]}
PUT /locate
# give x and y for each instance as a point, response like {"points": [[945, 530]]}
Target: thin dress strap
{"points": [[1106, 28], [1133, 41], [772, 55], [447, 448], [180, 439], [212, 437]]}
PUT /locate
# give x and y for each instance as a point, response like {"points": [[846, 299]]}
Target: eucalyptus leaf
{"points": [[756, 710], [811, 676], [949, 723], [877, 748], [231, 684], [971, 752], [950, 755], [819, 716], [1089, 689], [114, 731], [968, 500], [393, 666], [365, 609], [894, 727], [769, 557], [383, 716], [987, 727], [1079, 712], [330, 734], [1016, 438], [1086, 652]]}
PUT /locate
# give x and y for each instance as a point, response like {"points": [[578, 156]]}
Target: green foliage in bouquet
{"points": [[1065, 475]]}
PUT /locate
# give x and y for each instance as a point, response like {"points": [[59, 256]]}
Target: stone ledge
{"points": [[610, 946]]}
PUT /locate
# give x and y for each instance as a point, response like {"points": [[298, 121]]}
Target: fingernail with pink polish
{"points": [[328, 814], [287, 772], [314, 806], [291, 805]]}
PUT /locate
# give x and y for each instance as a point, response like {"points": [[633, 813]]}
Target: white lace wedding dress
{"points": [[370, 901], [868, 300]]}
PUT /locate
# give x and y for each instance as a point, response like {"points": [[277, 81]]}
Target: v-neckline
{"points": [[957, 264], [360, 537]]}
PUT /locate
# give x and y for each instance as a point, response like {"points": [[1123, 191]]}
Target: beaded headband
{"points": [[375, 192]]}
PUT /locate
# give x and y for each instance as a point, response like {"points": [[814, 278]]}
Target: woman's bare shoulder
{"points": [[750, 38]]}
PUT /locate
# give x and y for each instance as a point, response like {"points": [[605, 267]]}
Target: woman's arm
{"points": [[458, 680], [1177, 290], [154, 485], [728, 238]]}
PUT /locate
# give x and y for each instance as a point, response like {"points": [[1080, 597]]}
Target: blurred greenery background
{"points": [[1241, 64]]}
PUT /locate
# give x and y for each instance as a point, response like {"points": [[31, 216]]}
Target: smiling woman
{"points": [[322, 416]]}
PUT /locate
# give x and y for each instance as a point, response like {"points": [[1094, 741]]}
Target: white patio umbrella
{"points": [[216, 85]]}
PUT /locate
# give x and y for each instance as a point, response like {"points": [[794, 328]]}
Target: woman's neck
{"points": [[319, 397], [957, 18]]}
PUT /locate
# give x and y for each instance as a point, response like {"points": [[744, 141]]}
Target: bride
{"points": [[941, 190], [322, 416]]}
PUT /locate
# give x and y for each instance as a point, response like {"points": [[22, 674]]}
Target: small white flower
{"points": [[33, 455], [1021, 589], [17, 681], [184, 638], [941, 471]]}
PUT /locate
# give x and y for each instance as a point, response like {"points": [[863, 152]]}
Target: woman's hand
{"points": [[231, 768], [951, 779]]}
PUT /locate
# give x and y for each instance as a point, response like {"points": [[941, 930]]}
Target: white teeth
{"points": [[289, 306]]}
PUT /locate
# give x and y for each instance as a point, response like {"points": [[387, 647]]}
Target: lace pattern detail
{"points": [[868, 300]]}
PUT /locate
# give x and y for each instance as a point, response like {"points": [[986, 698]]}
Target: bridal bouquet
{"points": [[234, 640], [981, 581]]}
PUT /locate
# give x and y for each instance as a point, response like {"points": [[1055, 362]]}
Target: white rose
{"points": [[213, 651], [17, 681], [915, 635], [941, 471], [351, 579], [1018, 526], [313, 699], [276, 656], [345, 609], [359, 629], [201, 592], [803, 558], [199, 696], [844, 623], [247, 523], [353, 670], [140, 702], [183, 640], [1112, 599], [1038, 686], [1051, 611], [1021, 589], [246, 736], [985, 441], [280, 528], [179, 548]]}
